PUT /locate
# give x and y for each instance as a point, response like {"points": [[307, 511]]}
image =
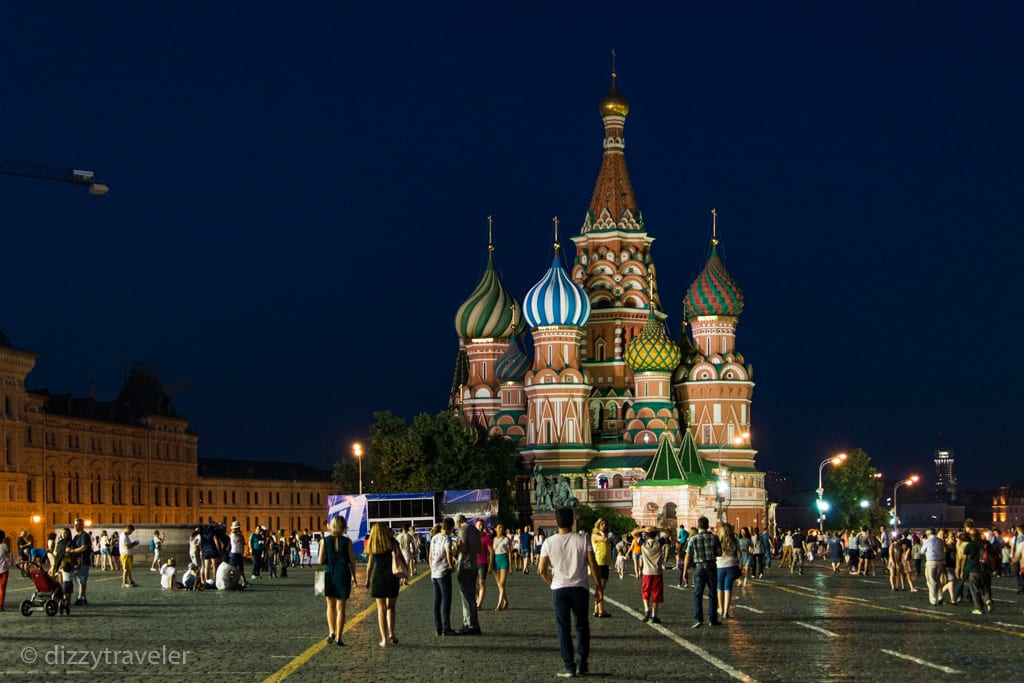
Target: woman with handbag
{"points": [[339, 565], [384, 558]]}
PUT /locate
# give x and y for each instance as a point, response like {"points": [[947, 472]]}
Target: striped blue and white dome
{"points": [[556, 301]]}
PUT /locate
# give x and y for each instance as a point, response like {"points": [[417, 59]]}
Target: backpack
{"points": [[988, 557], [152, 545]]}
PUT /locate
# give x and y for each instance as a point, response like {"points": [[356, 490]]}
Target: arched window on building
{"points": [[617, 481], [602, 481]]}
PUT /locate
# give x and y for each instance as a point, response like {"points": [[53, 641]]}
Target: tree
{"points": [[434, 453], [848, 484], [618, 523]]}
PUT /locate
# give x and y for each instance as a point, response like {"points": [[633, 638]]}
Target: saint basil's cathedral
{"points": [[610, 409]]}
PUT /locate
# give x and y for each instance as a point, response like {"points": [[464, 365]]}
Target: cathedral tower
{"points": [[557, 388], [714, 385], [652, 356], [613, 264], [484, 323]]}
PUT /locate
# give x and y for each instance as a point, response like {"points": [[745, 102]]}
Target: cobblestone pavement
{"points": [[813, 627]]}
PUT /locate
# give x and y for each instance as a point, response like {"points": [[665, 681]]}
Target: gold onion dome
{"points": [[613, 104], [652, 350]]}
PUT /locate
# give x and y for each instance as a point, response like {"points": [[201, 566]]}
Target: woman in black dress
{"points": [[383, 584], [339, 563]]}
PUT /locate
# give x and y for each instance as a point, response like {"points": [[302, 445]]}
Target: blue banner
{"points": [[354, 510]]}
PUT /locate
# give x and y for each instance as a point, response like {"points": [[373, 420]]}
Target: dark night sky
{"points": [[298, 205]]}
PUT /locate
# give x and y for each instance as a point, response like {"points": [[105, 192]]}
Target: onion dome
{"points": [[652, 350], [556, 300], [613, 104], [487, 313], [513, 364], [714, 292]]}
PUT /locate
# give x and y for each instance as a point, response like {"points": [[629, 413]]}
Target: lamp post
{"points": [[357, 450], [721, 489], [722, 486], [834, 460], [905, 482]]}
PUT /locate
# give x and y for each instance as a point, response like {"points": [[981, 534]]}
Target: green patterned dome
{"points": [[487, 313], [714, 292], [652, 350]]}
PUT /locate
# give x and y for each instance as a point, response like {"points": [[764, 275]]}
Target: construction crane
{"points": [[63, 175]]}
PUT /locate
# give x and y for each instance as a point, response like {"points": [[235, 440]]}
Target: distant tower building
{"points": [[945, 481]]}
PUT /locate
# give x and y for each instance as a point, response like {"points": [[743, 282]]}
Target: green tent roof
{"points": [[689, 458], [665, 466]]}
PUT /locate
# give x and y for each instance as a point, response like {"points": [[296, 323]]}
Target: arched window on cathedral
{"points": [[577, 483], [617, 481], [599, 350], [602, 481]]}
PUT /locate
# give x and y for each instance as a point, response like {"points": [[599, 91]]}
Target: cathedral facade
{"points": [[610, 408]]}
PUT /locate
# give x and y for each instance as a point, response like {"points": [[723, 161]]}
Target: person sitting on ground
{"points": [[228, 577], [168, 571], [189, 579]]}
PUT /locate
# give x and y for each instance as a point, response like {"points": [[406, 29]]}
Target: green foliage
{"points": [[618, 523], [434, 453], [845, 486]]}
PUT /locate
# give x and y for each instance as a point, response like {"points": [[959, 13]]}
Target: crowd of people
{"points": [[956, 566], [216, 556]]}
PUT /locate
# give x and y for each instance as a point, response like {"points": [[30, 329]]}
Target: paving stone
{"points": [[785, 627]]}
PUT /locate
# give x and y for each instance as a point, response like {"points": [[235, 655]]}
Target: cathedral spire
{"points": [[613, 206]]}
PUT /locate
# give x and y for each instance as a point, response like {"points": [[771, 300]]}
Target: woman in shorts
{"points": [[501, 564], [601, 541]]}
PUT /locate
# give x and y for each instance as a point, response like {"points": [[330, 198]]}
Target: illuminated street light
{"points": [[834, 460], [865, 504], [722, 486], [721, 492], [909, 481], [357, 450]]}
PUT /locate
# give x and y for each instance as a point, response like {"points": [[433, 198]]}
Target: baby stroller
{"points": [[49, 594]]}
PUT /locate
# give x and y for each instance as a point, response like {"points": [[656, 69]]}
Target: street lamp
{"points": [[357, 450], [905, 482], [834, 460], [721, 491]]}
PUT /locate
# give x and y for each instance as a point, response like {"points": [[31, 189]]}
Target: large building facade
{"points": [[132, 460], [607, 390]]}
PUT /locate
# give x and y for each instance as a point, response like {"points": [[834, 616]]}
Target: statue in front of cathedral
{"points": [[562, 497], [541, 489]]}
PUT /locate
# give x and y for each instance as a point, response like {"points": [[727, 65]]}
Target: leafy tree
{"points": [[346, 475], [618, 523], [846, 485], [434, 453], [394, 457], [498, 455]]}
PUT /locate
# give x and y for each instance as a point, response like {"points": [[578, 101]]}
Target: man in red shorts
{"points": [[652, 586]]}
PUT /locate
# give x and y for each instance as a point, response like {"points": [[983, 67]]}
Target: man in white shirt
{"points": [[227, 577], [934, 551], [564, 559]]}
